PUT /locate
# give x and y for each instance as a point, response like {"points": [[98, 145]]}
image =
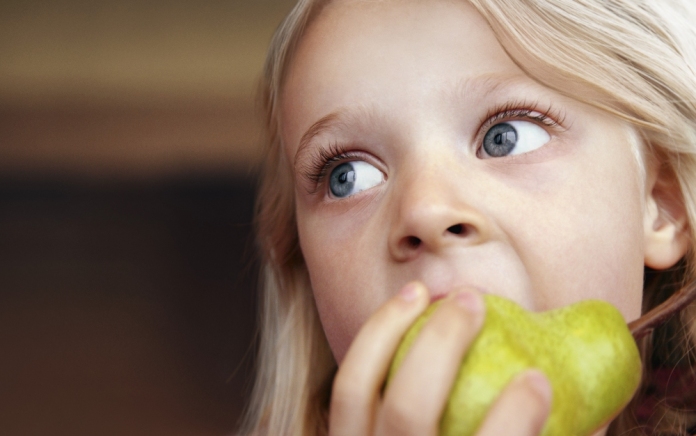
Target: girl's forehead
{"points": [[358, 53], [396, 18], [395, 31], [393, 53]]}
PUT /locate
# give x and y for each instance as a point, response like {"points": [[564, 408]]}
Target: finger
{"points": [[416, 396], [522, 408], [360, 376]]}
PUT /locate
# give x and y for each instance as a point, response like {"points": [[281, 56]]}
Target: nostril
{"points": [[413, 242], [457, 229]]}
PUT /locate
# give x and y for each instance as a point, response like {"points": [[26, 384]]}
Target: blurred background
{"points": [[129, 151]]}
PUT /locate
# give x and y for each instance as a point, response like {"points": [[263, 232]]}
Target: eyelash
{"points": [[323, 161], [325, 158], [549, 117]]}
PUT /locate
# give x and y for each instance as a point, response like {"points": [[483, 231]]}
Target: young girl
{"points": [[542, 150]]}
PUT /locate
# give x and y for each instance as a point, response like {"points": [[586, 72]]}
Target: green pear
{"points": [[585, 350]]}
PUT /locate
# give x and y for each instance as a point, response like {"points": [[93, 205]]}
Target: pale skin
{"points": [[408, 92]]}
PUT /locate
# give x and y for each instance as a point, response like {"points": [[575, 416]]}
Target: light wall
{"points": [[131, 88]]}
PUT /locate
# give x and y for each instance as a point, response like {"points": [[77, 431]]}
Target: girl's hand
{"points": [[416, 397]]}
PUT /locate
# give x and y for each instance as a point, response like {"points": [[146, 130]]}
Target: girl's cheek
{"points": [[341, 246]]}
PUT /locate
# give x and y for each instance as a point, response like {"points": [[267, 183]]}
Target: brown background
{"points": [[129, 147]]}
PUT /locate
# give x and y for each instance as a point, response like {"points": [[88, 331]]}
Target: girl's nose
{"points": [[432, 215]]}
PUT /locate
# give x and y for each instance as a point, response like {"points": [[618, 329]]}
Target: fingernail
{"points": [[410, 292], [539, 384], [470, 301]]}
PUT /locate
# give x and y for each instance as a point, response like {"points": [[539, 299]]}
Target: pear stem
{"points": [[658, 315]]}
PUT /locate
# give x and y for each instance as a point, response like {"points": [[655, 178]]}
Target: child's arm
{"points": [[416, 397]]}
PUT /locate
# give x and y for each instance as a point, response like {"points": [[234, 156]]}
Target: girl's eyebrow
{"points": [[476, 87], [328, 123], [489, 83]]}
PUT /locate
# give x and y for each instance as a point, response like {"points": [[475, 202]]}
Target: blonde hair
{"points": [[639, 56]]}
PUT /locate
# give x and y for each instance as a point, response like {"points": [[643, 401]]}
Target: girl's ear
{"points": [[665, 221]]}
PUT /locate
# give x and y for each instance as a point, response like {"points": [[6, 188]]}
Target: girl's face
{"points": [[422, 152]]}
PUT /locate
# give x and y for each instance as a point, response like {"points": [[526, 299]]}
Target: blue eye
{"points": [[514, 137], [352, 177]]}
